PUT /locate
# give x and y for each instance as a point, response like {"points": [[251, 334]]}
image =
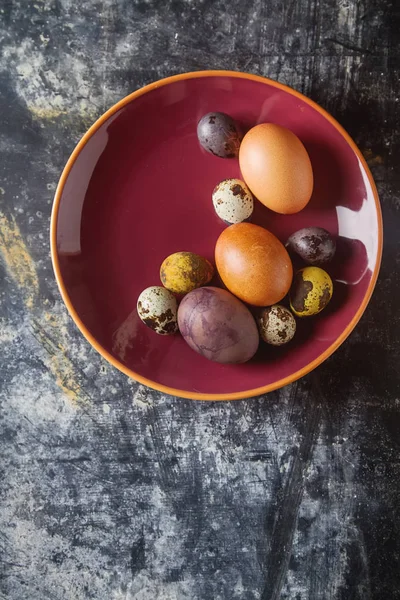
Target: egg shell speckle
{"points": [[276, 324], [157, 308], [233, 201], [311, 291]]}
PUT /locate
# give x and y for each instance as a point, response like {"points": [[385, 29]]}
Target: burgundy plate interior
{"points": [[140, 189]]}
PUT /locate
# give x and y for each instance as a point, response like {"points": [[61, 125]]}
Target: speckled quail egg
{"points": [[314, 245], [219, 135], [182, 272], [276, 325], [311, 291], [233, 201], [157, 308]]}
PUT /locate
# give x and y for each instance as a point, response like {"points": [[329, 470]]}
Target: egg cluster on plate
{"points": [[225, 325]]}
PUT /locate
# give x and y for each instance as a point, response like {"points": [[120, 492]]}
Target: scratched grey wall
{"points": [[113, 492]]}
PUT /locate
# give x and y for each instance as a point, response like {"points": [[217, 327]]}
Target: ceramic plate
{"points": [[138, 188]]}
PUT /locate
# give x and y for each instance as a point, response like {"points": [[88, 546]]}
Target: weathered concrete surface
{"points": [[111, 491]]}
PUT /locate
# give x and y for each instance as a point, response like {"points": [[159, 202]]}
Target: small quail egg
{"points": [[218, 134], [157, 308], [314, 245], [311, 291], [182, 272], [276, 324], [233, 201]]}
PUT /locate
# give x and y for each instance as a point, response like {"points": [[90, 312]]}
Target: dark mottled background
{"points": [[113, 492]]}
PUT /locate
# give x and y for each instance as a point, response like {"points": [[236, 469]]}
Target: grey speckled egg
{"points": [[314, 245], [276, 324], [233, 201], [219, 135], [157, 308]]}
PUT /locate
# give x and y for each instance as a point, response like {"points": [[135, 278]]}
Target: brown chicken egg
{"points": [[276, 167], [253, 264]]}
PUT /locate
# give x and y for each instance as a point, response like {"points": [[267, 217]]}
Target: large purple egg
{"points": [[218, 326]]}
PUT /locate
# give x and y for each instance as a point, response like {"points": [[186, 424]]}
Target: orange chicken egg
{"points": [[276, 167], [253, 264]]}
